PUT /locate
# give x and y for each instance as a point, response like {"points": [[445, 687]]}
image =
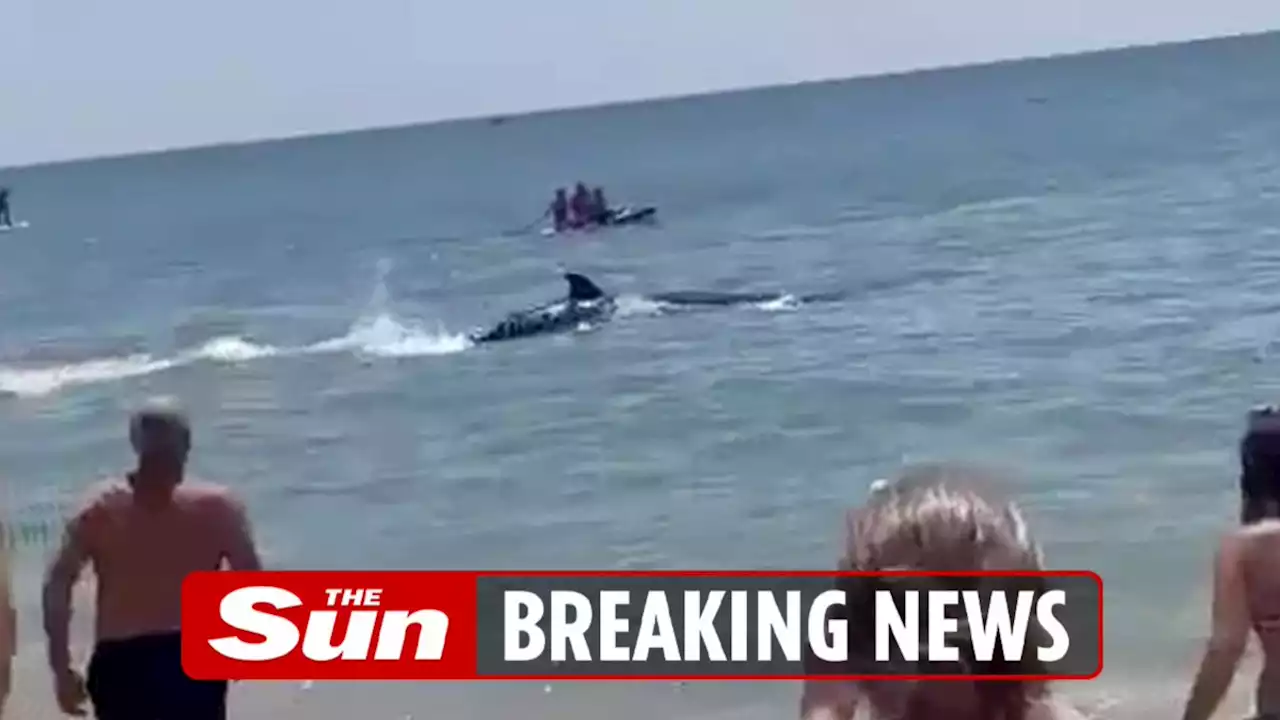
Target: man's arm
{"points": [[59, 581], [240, 550]]}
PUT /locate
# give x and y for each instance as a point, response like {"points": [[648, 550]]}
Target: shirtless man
{"points": [[143, 535], [1246, 580]]}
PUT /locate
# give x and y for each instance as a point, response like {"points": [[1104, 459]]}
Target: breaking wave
{"points": [[380, 333], [379, 336]]}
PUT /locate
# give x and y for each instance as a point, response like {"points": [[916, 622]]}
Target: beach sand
{"points": [[32, 699]]}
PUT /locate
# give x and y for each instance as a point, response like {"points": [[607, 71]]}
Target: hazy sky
{"points": [[92, 77]]}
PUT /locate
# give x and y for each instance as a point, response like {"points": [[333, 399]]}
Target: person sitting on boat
{"points": [[5, 218], [580, 209], [559, 210], [602, 214]]}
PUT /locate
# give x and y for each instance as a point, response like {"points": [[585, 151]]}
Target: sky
{"points": [[89, 78]]}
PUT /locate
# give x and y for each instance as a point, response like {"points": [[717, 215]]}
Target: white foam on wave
{"points": [[782, 303], [379, 333], [229, 349], [628, 305], [32, 381], [382, 335]]}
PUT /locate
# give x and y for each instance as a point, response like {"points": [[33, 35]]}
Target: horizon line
{"points": [[602, 105]]}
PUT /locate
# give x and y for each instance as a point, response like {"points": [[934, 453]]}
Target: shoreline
{"points": [[32, 699], [1118, 699]]}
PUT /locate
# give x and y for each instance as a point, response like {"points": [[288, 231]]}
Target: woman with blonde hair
{"points": [[934, 518]]}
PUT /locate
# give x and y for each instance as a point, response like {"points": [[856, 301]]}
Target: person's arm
{"points": [[60, 579], [8, 620], [241, 551], [1229, 634]]}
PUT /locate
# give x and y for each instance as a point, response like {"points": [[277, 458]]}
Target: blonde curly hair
{"points": [[939, 517]]}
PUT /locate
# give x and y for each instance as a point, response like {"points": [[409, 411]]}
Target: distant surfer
{"points": [[559, 210], [6, 219]]}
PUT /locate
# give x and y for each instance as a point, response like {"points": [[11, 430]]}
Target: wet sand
{"points": [[32, 699]]}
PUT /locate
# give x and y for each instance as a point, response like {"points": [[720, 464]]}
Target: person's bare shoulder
{"points": [[1263, 529], [210, 497], [101, 495], [90, 516], [105, 487], [1248, 540]]}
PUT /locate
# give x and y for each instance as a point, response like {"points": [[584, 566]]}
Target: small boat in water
{"points": [[625, 215]]}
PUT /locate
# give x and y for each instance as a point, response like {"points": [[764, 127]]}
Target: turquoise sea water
{"points": [[1068, 268]]}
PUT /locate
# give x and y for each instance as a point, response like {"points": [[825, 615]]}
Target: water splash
{"points": [[384, 335], [782, 303], [378, 332], [629, 305]]}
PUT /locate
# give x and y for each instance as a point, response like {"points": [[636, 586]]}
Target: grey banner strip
{"points": [[634, 626]]}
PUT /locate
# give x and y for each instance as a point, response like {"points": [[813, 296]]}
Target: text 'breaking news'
{"points": [[429, 625]]}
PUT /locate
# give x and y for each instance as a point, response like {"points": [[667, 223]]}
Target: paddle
{"points": [[531, 225]]}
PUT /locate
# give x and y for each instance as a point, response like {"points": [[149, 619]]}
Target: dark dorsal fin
{"points": [[581, 287]]}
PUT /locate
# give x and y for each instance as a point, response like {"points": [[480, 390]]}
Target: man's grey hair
{"points": [[159, 422]]}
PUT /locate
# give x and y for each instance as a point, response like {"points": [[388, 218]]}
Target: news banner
{"points": [[641, 625]]}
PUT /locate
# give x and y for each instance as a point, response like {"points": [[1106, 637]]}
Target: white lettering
{"points": [[433, 628], [280, 636], [657, 630], [738, 614], [611, 626], [318, 643], [941, 625], [904, 627], [238, 609], [573, 633], [699, 626], [521, 611], [346, 597], [786, 631], [1011, 631], [837, 629], [1044, 614]]}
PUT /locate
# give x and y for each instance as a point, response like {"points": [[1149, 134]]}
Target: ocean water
{"points": [[1066, 268]]}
